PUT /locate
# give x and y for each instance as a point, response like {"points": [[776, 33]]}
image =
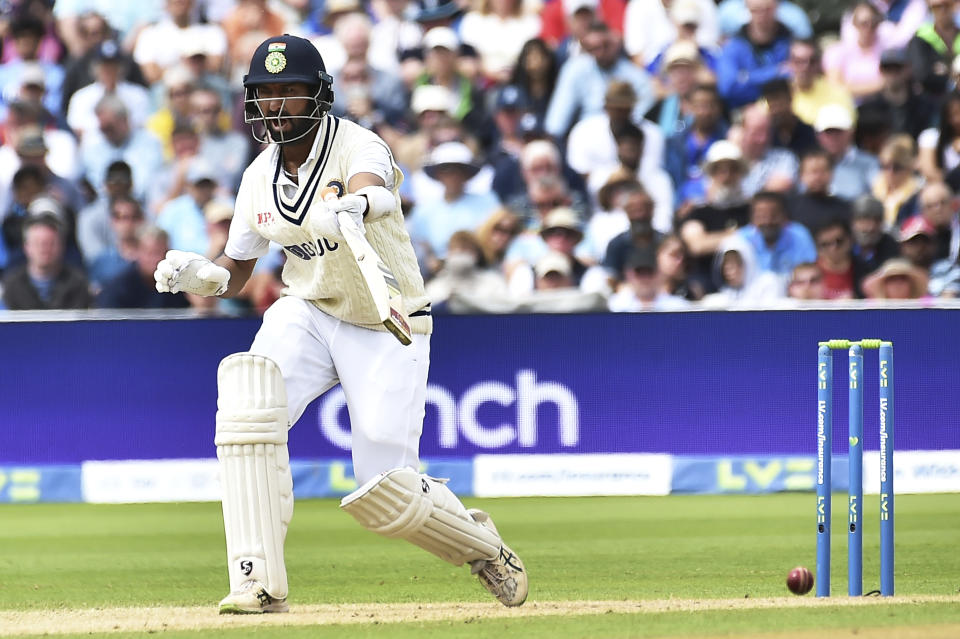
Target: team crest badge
{"points": [[337, 185], [275, 62]]}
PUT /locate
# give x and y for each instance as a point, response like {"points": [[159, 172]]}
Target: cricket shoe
{"points": [[251, 599], [503, 575]]}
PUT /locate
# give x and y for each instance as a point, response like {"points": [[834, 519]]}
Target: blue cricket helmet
{"points": [[287, 59]]}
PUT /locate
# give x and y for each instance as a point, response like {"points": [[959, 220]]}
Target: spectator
{"points": [[806, 283], [814, 205], [369, 96], [939, 148], [650, 26], [496, 234], [432, 223], [872, 246], [855, 62], [218, 214], [899, 22], [811, 90], [733, 15], [93, 30], [441, 45], [560, 232], [896, 186], [171, 181], [685, 17], [226, 150], [673, 112], [788, 131], [591, 143], [249, 23], [30, 149], [898, 103], [836, 260], [638, 206], [630, 150], [178, 84], [608, 219], [579, 15], [135, 287], [644, 286], [126, 220], [182, 217], [778, 243], [497, 31], [917, 242], [720, 215], [853, 170], [738, 280], [583, 81], [931, 50], [673, 264], [27, 33], [464, 273], [159, 44], [753, 56], [764, 163], [50, 47], [28, 183], [393, 34], [45, 281], [94, 230], [553, 272], [118, 140], [536, 74], [509, 107], [939, 207], [541, 159], [350, 37], [687, 149], [897, 279], [433, 108], [108, 73]]}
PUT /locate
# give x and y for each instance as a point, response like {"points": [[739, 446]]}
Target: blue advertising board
{"points": [[698, 383]]}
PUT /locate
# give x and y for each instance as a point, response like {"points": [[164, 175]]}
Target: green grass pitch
{"points": [[678, 566]]}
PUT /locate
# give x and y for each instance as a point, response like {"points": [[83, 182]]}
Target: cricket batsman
{"points": [[324, 331]]}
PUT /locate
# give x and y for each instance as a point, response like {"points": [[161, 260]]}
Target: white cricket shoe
{"points": [[252, 598], [503, 575]]}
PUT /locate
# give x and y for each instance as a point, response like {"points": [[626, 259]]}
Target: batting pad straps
{"points": [[380, 201], [403, 503], [256, 484]]}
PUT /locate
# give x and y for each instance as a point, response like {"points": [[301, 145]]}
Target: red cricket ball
{"points": [[800, 580]]}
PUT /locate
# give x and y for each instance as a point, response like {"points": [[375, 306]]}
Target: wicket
{"points": [[855, 490]]}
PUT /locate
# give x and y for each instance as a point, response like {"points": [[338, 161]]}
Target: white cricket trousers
{"points": [[384, 382]]}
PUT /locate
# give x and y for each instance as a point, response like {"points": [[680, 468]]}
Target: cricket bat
{"points": [[379, 280]]}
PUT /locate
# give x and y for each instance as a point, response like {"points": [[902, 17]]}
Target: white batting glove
{"points": [[190, 273], [353, 205]]}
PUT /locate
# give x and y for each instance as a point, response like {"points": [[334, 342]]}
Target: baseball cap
{"points": [[833, 116], [685, 12], [512, 97], [561, 218], [108, 50], [30, 142], [722, 151], [32, 75], [681, 52], [553, 262], [200, 170], [451, 154], [217, 211], [433, 10], [431, 97], [914, 226], [441, 37]]}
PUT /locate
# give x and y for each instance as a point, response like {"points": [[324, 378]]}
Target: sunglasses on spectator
{"points": [[559, 231], [549, 204], [893, 167]]}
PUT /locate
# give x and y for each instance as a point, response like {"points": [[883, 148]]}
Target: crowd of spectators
{"points": [[617, 155]]}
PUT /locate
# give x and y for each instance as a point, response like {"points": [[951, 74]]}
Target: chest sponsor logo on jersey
{"points": [[264, 218], [309, 250]]}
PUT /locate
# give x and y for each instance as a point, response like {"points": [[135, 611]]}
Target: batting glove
{"points": [[353, 205], [190, 273]]}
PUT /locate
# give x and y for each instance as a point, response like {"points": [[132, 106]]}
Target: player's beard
{"points": [[298, 128]]}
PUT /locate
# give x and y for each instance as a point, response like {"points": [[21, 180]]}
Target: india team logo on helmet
{"points": [[286, 59]]}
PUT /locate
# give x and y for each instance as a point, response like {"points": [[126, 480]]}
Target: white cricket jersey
{"points": [[319, 265]]}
